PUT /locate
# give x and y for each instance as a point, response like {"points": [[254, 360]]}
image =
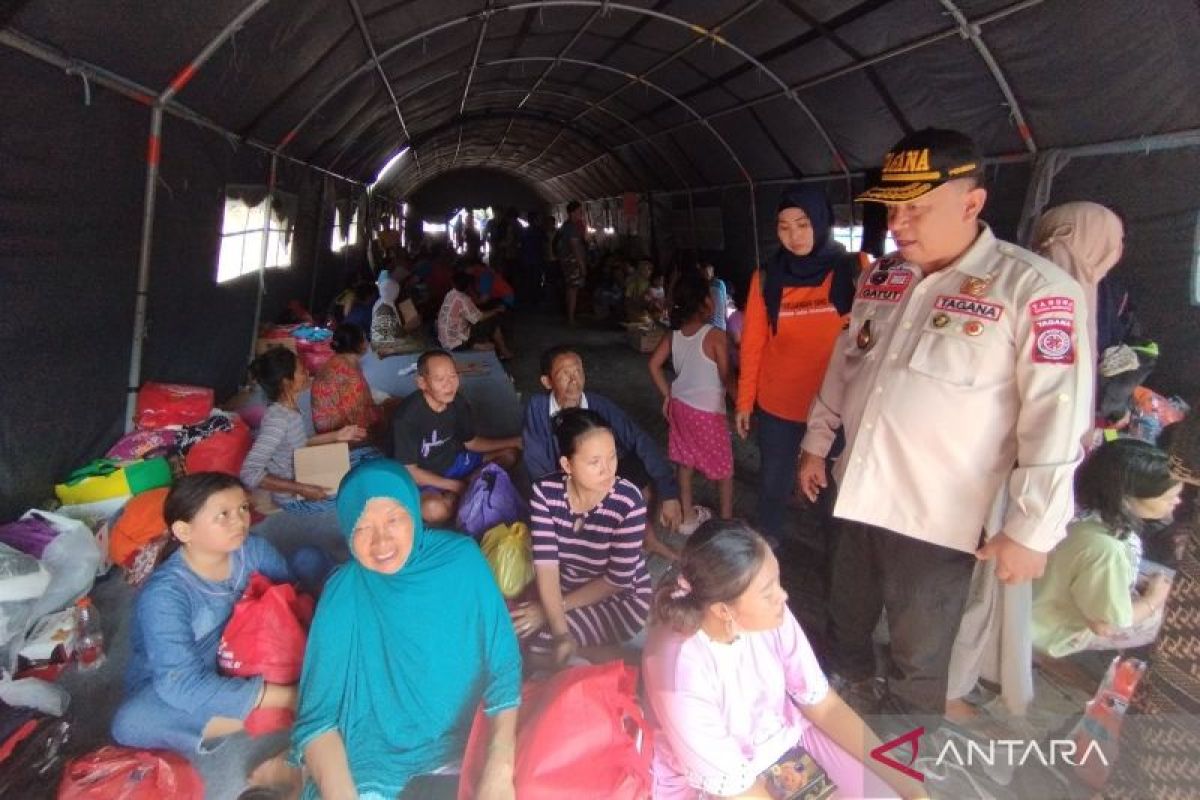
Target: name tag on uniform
{"points": [[968, 305], [886, 285]]}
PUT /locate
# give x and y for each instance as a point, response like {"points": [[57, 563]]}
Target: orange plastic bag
{"points": [[580, 734], [122, 773]]}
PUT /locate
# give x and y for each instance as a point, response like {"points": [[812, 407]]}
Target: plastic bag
{"points": [[141, 524], [490, 500], [509, 552], [23, 581], [1100, 726], [581, 734], [223, 451], [266, 636], [122, 773], [142, 444], [160, 405], [48, 698], [105, 478], [71, 558]]}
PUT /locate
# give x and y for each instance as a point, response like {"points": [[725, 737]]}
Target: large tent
{"points": [[125, 123]]}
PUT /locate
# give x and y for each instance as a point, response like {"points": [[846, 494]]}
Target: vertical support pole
{"points": [[262, 255], [153, 154], [318, 234]]}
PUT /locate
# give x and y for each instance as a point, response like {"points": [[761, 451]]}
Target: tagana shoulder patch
{"points": [[1054, 340], [1052, 305]]}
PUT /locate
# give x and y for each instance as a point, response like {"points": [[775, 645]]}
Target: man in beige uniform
{"points": [[963, 385]]}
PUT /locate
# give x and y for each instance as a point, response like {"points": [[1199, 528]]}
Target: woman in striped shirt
{"points": [[588, 525]]}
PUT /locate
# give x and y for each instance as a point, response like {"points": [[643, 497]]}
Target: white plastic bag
{"points": [[35, 693], [71, 558]]}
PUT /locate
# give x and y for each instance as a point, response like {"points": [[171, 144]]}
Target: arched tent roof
{"points": [[703, 108], [590, 97]]}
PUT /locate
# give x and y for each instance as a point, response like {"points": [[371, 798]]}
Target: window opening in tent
{"points": [[337, 242], [404, 224], [437, 228], [851, 238], [242, 228]]}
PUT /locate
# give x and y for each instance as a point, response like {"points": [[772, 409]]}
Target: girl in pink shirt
{"points": [[738, 698]]}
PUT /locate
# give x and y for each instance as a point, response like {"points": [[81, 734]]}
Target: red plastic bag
{"points": [[267, 632], [581, 734], [122, 773], [222, 452], [162, 404], [266, 636]]}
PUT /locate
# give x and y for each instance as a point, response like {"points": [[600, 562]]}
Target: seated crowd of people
{"points": [[936, 406]]}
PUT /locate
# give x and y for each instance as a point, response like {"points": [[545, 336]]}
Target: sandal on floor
{"points": [[703, 515]]}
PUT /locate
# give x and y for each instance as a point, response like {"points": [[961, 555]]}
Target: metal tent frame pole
{"points": [[153, 158]]}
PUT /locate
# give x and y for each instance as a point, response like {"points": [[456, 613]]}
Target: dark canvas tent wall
{"points": [[705, 106]]}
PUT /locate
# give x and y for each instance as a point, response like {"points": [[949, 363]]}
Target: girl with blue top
{"points": [[175, 698], [410, 638]]}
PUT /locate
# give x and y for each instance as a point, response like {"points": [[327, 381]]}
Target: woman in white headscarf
{"points": [[386, 324]]}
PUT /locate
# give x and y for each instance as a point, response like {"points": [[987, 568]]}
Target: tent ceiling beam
{"points": [[361, 22], [849, 69], [658, 65], [972, 34], [486, 15], [546, 72]]}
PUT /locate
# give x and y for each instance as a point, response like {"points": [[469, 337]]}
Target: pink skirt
{"points": [[700, 440]]}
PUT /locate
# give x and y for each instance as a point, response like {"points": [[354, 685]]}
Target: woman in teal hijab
{"points": [[410, 636]]}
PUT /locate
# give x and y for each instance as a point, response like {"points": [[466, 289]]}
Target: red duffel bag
{"points": [[224, 451], [160, 405], [122, 773], [580, 734], [266, 636]]}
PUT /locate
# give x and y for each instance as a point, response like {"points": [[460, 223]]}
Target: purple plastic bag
{"points": [[30, 535], [490, 501]]}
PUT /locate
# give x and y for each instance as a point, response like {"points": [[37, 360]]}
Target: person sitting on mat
{"points": [[737, 695], [411, 636], [435, 438], [270, 464], [642, 461], [587, 524], [1089, 597], [174, 696], [462, 326]]}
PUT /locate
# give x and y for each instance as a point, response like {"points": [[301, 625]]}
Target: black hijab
{"points": [[784, 268]]}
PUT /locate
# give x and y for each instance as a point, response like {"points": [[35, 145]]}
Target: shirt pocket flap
{"points": [[945, 357]]}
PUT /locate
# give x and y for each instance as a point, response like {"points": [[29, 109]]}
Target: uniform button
{"points": [[907, 326], [878, 390], [893, 356], [858, 459], [869, 425], [870, 312], [1064, 397]]}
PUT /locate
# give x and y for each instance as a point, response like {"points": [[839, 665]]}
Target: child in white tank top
{"points": [[694, 404]]}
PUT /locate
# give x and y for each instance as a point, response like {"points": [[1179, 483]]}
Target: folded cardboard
{"points": [[323, 464]]}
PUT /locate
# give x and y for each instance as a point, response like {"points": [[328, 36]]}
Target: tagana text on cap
{"points": [[921, 162]]}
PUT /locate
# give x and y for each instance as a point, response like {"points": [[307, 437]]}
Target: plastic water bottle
{"points": [[89, 638]]}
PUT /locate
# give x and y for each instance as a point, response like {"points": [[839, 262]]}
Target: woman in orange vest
{"points": [[796, 309]]}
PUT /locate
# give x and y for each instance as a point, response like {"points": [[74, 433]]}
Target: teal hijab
{"points": [[397, 664]]}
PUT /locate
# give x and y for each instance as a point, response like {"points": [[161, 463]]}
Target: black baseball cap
{"points": [[921, 162]]}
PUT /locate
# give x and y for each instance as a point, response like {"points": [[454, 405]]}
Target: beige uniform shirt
{"points": [[964, 395]]}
